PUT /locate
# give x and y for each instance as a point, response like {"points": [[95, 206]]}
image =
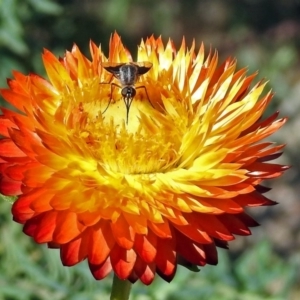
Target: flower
{"points": [[137, 196]]}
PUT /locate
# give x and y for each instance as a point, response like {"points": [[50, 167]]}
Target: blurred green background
{"points": [[263, 35]]}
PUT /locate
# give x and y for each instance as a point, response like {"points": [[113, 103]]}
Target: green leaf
{"points": [[46, 7]]}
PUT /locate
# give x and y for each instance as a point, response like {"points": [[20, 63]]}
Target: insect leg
{"points": [[112, 84], [143, 87]]}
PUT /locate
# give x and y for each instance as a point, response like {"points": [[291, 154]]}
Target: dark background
{"points": [[263, 35]]}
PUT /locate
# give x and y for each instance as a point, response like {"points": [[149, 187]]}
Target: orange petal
{"points": [[137, 222], [67, 227], [18, 100], [161, 229], [123, 233]]}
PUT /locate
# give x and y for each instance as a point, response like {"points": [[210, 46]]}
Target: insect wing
{"points": [[113, 68], [143, 67]]}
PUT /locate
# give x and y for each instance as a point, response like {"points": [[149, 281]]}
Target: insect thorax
{"points": [[128, 74]]}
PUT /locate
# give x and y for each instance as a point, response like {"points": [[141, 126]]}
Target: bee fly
{"points": [[127, 74]]}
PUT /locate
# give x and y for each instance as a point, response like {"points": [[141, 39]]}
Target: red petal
{"points": [[189, 250], [31, 226], [247, 220], [41, 227], [21, 209], [145, 246], [264, 170], [46, 227], [37, 200], [253, 199], [166, 258], [19, 121], [148, 276], [101, 243], [26, 141], [122, 261], [16, 172], [209, 224], [145, 272], [225, 205], [74, 252], [194, 234], [102, 270], [53, 245], [166, 277], [4, 125], [10, 187], [211, 254], [9, 149], [234, 224], [133, 277]]}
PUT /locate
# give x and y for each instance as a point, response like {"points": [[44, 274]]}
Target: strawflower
{"points": [[137, 184]]}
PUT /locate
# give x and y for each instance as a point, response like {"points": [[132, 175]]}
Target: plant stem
{"points": [[120, 289]]}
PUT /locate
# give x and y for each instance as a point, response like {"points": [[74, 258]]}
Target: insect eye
{"points": [[133, 92], [124, 91], [128, 92]]}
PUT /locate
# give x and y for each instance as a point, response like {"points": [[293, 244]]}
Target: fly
{"points": [[127, 74]]}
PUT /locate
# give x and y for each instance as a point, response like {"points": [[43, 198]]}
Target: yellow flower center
{"points": [[148, 143]]}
